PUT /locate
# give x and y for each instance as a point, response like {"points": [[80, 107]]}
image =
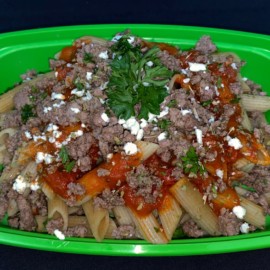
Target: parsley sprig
{"points": [[2, 167], [191, 162], [134, 82], [27, 112], [68, 164]]}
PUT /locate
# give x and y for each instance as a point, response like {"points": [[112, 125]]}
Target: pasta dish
{"points": [[132, 139]]}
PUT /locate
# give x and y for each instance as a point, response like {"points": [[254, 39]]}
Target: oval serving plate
{"points": [[32, 49]]}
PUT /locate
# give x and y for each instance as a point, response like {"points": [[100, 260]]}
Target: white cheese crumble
{"points": [[48, 159], [130, 148], [89, 75], [34, 185], [219, 173], [59, 234], [42, 137], [184, 112], [105, 117], [139, 135], [244, 228], [195, 67], [146, 84], [56, 74], [143, 123], [28, 135], [78, 93], [52, 127], [131, 40], [186, 80], [110, 156], [47, 109], [233, 65], [164, 112], [75, 110], [162, 136], [88, 96], [206, 88], [149, 63], [57, 96], [198, 133], [234, 142], [58, 105], [103, 55], [20, 184], [239, 211]]}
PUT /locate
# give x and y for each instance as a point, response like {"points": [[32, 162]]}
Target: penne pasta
{"points": [[149, 228], [254, 213], [98, 219], [255, 103], [170, 214], [122, 215], [56, 206], [244, 165], [191, 200]]}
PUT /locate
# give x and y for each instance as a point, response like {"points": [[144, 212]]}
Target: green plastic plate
{"points": [[30, 49]]}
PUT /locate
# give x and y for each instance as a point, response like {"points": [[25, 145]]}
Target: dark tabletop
{"points": [[244, 15]]}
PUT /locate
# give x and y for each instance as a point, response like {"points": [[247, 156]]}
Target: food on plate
{"points": [[133, 139]]}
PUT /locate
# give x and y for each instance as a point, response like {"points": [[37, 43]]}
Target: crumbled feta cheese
{"points": [[105, 117], [152, 117], [131, 40], [28, 135], [244, 228], [78, 133], [42, 137], [186, 80], [216, 90], [56, 74], [139, 135], [211, 119], [52, 127], [233, 65], [75, 110], [88, 96], [104, 86], [239, 211], [69, 65], [58, 105], [89, 76], [59, 234], [219, 173], [195, 67], [245, 79], [58, 144], [47, 109], [162, 136], [198, 133], [143, 123], [184, 112], [52, 139], [146, 84], [130, 148], [206, 88], [39, 157], [110, 156], [34, 185], [116, 37], [234, 142], [20, 184], [149, 63], [56, 133], [121, 121], [103, 55], [48, 159], [164, 112], [57, 96], [78, 93]]}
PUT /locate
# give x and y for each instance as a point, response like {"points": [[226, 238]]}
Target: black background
{"points": [[244, 15]]}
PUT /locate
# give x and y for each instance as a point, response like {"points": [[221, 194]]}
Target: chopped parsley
{"points": [[178, 233], [2, 167], [134, 82], [237, 184], [164, 124], [206, 103], [191, 163], [172, 103], [79, 85], [235, 100], [68, 164], [88, 58], [27, 112], [219, 82]]}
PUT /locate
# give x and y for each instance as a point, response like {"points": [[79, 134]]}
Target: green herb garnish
{"points": [[88, 58], [134, 82], [27, 112], [164, 124], [191, 163], [178, 233], [235, 100], [79, 85], [243, 186], [206, 103], [2, 167], [219, 82], [63, 154], [172, 103]]}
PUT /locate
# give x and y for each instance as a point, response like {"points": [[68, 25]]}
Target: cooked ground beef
{"points": [[124, 232], [229, 224], [191, 229]]}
